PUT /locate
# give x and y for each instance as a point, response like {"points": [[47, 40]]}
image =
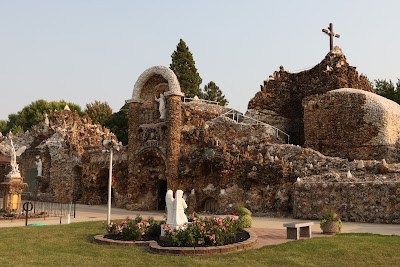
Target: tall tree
{"points": [[3, 126], [387, 89], [184, 67], [33, 114], [213, 93], [99, 112], [118, 124]]}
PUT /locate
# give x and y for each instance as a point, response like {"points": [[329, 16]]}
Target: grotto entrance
{"points": [[162, 191], [210, 205]]}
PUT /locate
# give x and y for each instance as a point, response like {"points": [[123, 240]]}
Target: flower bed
{"points": [[207, 231]]}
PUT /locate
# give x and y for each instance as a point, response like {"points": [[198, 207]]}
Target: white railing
{"points": [[188, 99], [239, 118]]}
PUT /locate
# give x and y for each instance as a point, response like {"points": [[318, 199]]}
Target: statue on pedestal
{"points": [[13, 155]]}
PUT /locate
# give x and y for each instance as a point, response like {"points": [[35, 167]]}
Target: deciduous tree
{"points": [[99, 112]]}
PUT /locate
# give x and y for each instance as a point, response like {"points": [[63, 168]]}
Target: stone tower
{"points": [[154, 138]]}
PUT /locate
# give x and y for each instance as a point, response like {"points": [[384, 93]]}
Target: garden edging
{"points": [[155, 248]]}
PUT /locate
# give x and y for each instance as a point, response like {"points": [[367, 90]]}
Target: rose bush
{"points": [[207, 231], [134, 229]]}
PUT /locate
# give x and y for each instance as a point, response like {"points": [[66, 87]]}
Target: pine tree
{"points": [[213, 93], [184, 67]]}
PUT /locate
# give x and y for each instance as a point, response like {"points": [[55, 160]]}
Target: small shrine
{"points": [[13, 184]]}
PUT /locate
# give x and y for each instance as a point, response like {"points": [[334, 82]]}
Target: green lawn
{"points": [[71, 245]]}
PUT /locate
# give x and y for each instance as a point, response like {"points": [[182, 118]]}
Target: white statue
{"points": [[169, 201], [179, 208], [13, 155], [176, 216], [161, 105], [39, 166]]}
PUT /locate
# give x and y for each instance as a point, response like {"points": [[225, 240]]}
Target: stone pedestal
{"points": [[12, 188]]}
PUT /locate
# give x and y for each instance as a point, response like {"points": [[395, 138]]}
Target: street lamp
{"points": [[110, 145]]}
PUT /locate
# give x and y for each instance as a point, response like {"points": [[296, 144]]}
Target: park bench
{"points": [[295, 230]]}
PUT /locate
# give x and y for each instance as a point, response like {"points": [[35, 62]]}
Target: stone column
{"points": [[133, 142], [173, 121]]}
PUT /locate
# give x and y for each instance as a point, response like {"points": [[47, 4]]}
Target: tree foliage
{"points": [[213, 93], [184, 67], [99, 112], [33, 113], [388, 89], [118, 124]]}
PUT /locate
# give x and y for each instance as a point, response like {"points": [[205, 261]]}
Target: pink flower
{"points": [[143, 233], [170, 230]]}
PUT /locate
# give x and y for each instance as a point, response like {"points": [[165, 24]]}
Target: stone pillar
{"points": [[173, 121], [133, 142], [12, 189]]}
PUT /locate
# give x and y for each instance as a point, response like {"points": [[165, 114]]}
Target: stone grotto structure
{"points": [[309, 140]]}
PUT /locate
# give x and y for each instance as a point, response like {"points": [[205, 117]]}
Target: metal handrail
{"points": [[257, 122]]}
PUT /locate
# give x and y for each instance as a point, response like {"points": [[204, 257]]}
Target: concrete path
{"points": [[99, 213]]}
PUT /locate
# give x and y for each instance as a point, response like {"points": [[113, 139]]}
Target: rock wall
{"points": [[282, 94], [353, 124], [60, 142], [365, 197]]}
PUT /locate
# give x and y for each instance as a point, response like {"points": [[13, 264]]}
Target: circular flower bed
{"points": [[208, 235]]}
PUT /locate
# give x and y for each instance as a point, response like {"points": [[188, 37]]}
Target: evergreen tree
{"points": [[184, 67], [387, 89], [213, 93], [99, 112]]}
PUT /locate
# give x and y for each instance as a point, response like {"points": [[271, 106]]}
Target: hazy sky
{"points": [[82, 50]]}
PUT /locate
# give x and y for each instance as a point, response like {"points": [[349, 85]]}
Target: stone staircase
{"points": [[238, 117]]}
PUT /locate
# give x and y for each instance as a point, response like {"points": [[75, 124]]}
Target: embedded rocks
{"points": [[280, 100], [60, 142], [353, 124]]}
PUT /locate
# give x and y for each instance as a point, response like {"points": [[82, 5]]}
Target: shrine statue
{"points": [[39, 166], [176, 216], [13, 156], [161, 105]]}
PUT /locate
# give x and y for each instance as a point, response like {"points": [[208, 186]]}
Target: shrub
{"points": [[244, 215], [136, 229], [246, 221]]}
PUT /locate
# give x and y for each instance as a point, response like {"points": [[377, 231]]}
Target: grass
{"points": [[71, 245]]}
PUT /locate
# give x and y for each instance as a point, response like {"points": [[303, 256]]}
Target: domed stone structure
{"points": [[354, 124]]}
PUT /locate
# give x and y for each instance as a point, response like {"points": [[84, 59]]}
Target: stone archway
{"points": [[165, 72], [154, 128]]}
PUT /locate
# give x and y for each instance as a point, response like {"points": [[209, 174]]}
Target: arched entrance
{"points": [[161, 192], [210, 205]]}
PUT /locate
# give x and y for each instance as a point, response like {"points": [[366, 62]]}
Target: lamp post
{"points": [[110, 145]]}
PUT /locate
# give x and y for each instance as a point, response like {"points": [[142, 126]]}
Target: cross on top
{"points": [[331, 34]]}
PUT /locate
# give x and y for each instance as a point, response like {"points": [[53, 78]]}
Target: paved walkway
{"points": [[270, 230]]}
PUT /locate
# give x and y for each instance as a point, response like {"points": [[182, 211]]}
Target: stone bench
{"points": [[296, 230]]}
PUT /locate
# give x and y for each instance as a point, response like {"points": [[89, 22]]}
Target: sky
{"points": [[86, 50]]}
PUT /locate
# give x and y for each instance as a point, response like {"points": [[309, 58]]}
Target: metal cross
{"points": [[331, 34]]}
